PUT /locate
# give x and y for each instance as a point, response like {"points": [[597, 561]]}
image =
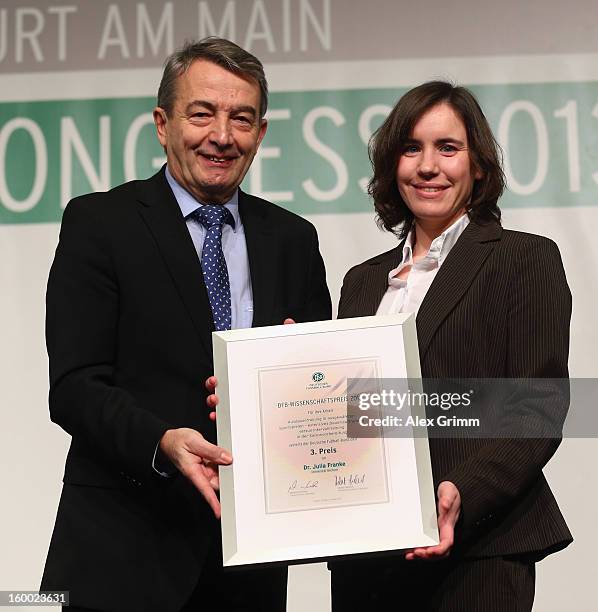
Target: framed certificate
{"points": [[301, 487]]}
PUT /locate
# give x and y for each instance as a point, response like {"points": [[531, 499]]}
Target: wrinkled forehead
{"points": [[212, 79]]}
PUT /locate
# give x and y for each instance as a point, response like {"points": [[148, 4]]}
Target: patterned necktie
{"points": [[213, 264]]}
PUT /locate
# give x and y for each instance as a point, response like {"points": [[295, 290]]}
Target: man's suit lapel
{"points": [[454, 278], [263, 255], [163, 217]]}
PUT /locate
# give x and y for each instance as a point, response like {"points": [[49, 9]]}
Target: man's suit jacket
{"points": [[499, 307], [129, 339]]}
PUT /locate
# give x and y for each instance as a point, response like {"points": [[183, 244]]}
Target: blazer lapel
{"points": [[373, 285], [262, 252], [163, 217], [454, 278]]}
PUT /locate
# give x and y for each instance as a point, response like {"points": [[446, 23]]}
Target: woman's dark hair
{"points": [[388, 142]]}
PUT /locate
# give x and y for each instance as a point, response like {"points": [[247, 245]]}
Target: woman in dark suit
{"points": [[490, 303]]}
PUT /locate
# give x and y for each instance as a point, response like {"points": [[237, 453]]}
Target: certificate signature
{"points": [[345, 481]]}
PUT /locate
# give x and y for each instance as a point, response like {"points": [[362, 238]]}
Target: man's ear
{"points": [[160, 120], [263, 130]]}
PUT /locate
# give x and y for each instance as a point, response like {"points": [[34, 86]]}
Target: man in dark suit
{"points": [[142, 275], [491, 304]]}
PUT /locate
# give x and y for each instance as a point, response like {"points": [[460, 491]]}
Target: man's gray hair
{"points": [[219, 51]]}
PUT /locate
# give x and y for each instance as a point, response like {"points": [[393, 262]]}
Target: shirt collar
{"points": [[441, 245], [439, 249], [408, 247], [188, 204]]}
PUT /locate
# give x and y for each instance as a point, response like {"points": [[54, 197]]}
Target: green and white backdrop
{"points": [[77, 87]]}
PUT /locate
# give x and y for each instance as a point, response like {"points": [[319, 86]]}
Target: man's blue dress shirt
{"points": [[233, 245]]}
